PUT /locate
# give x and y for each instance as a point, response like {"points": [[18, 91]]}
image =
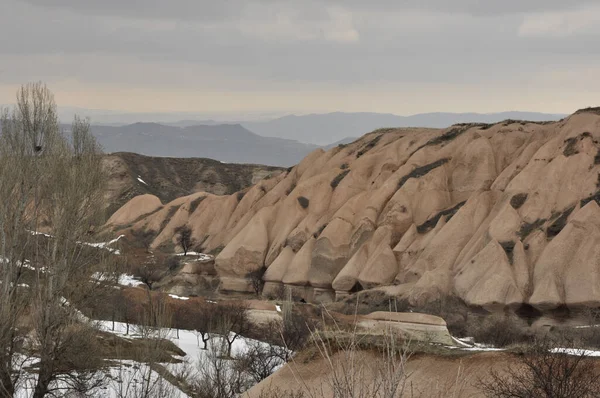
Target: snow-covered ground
{"points": [[188, 341], [575, 351], [101, 245], [200, 256], [122, 279]]}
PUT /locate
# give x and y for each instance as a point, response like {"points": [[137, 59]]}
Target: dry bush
{"points": [[500, 330], [539, 373]]}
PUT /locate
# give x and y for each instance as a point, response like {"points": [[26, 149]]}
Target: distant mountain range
{"points": [[224, 142], [282, 141], [323, 129]]}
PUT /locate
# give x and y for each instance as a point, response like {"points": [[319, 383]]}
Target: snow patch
{"points": [[576, 352], [178, 297], [200, 256]]}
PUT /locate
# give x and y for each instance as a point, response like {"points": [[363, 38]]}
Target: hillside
{"points": [[498, 215], [131, 175], [226, 143], [323, 129]]}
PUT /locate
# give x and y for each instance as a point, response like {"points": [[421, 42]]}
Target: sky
{"points": [[302, 56]]}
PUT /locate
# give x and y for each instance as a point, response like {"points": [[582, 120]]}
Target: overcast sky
{"points": [[239, 56]]}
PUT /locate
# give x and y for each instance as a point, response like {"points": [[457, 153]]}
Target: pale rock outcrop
{"points": [[499, 214], [568, 270], [246, 252], [134, 209], [488, 279]]}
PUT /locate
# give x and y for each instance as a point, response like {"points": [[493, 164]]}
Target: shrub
{"points": [[541, 373], [499, 330]]}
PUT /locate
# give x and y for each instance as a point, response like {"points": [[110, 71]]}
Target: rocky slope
{"points": [[131, 175], [498, 214]]}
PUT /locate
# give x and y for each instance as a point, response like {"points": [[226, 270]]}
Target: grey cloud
{"points": [[267, 43], [207, 9]]}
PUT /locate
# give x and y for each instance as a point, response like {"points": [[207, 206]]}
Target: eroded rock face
{"points": [[498, 215]]}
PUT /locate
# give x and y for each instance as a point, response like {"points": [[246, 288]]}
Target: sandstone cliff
{"points": [[498, 214]]}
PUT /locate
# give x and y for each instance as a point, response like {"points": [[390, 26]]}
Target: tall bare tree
{"points": [[50, 182]]}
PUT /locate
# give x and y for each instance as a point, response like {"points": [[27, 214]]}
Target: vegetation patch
{"points": [[518, 200], [558, 224], [509, 247], [370, 145], [336, 181], [240, 196], [344, 166], [303, 202], [527, 228], [431, 223], [195, 203], [421, 171]]}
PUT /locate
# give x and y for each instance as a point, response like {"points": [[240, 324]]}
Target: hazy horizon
{"points": [[260, 57]]}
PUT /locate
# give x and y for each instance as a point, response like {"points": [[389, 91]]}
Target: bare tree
{"points": [[184, 238], [51, 181], [256, 280], [540, 373], [230, 321]]}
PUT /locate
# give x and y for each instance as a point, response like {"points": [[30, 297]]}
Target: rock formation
{"points": [[498, 214]]}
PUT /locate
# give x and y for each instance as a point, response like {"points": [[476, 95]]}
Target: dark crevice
{"points": [[421, 171], [527, 228], [558, 224], [509, 247], [336, 181], [431, 223], [196, 202], [370, 145], [595, 196]]}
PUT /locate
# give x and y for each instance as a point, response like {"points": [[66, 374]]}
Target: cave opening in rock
{"points": [[356, 288]]}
